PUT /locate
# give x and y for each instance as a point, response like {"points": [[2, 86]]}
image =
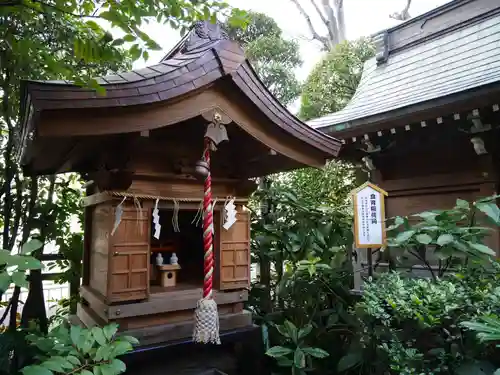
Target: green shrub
{"points": [[413, 326], [80, 350]]}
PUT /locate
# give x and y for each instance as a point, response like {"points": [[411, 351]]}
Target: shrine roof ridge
{"points": [[438, 59]]}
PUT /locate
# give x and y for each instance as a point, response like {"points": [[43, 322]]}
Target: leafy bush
{"points": [[13, 267], [296, 355], [413, 326], [452, 236], [63, 350], [79, 350], [309, 289]]}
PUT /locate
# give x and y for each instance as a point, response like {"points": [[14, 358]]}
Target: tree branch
{"points": [[404, 15], [18, 210], [341, 20], [55, 8], [314, 33], [10, 166], [320, 13], [333, 30], [6, 311]]}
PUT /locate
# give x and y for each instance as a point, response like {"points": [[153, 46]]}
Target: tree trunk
{"points": [[265, 263], [34, 308], [403, 15], [339, 4], [332, 16]]}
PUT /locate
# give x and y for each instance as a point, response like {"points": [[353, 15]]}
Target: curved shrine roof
{"points": [[202, 58], [447, 51]]}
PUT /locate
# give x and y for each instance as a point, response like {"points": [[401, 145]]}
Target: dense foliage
{"points": [[334, 80], [401, 325], [274, 58], [440, 236], [302, 296], [77, 25], [79, 350], [413, 326], [316, 187]]}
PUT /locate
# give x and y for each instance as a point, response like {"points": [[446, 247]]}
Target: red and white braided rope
{"points": [[208, 223]]}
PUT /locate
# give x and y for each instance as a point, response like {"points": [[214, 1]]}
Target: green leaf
{"points": [[103, 353], [424, 238], [291, 329], [31, 246], [303, 332], [135, 52], [299, 358], [426, 215], [36, 370], [87, 344], [25, 262], [110, 330], [444, 252], [19, 278], [481, 248], [106, 369], [316, 352], [283, 331], [44, 344], [404, 236], [74, 360], [5, 281], [462, 204], [129, 38], [54, 364], [99, 335], [491, 210], [130, 339], [85, 372], [348, 361], [278, 351], [444, 239], [284, 362], [75, 334], [118, 42], [120, 347], [4, 256], [117, 366]]}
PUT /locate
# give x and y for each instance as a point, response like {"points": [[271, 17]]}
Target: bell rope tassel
{"points": [[206, 328]]}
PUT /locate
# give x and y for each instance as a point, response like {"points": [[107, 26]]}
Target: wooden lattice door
{"points": [[129, 257], [234, 258]]}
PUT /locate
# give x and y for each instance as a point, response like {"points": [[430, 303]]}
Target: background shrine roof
{"points": [[450, 50], [203, 57]]}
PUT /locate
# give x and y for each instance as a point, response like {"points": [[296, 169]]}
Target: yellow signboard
{"points": [[369, 216]]}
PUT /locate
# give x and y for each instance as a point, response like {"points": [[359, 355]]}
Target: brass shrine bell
{"points": [[202, 169]]}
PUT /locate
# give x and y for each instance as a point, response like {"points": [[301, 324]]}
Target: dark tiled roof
{"points": [[463, 59], [204, 56]]}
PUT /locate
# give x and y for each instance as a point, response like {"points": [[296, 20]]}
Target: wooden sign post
{"points": [[369, 219]]}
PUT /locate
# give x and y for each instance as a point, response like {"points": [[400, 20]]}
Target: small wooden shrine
{"points": [[201, 110], [424, 119]]}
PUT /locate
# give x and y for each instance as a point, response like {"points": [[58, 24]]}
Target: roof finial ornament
{"points": [[204, 32]]}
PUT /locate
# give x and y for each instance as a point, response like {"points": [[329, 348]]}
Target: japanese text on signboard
{"points": [[369, 217]]}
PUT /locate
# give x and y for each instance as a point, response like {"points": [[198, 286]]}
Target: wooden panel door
{"points": [[129, 257], [234, 259]]}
